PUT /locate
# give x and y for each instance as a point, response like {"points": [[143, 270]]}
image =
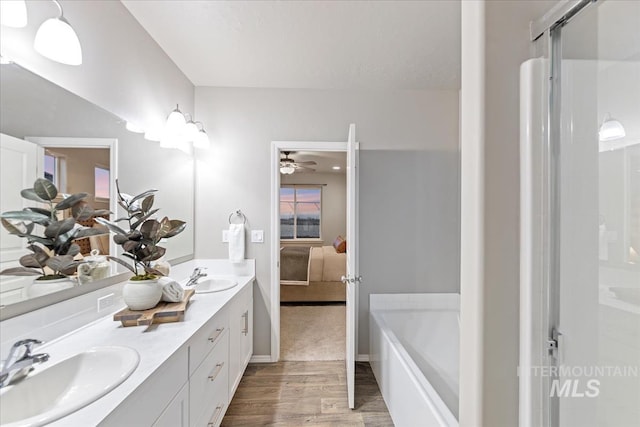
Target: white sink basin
{"points": [[214, 285], [60, 389]]}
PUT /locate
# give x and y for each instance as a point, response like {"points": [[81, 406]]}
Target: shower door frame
{"points": [[550, 26]]}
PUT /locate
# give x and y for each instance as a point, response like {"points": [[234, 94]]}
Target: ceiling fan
{"points": [[289, 166]]}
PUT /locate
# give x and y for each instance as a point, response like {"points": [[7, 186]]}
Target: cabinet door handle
{"points": [[216, 415], [216, 371], [245, 331], [216, 336]]}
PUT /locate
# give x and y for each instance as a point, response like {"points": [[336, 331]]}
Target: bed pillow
{"points": [[340, 244]]}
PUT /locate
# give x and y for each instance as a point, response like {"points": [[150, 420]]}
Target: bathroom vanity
{"points": [[188, 370]]}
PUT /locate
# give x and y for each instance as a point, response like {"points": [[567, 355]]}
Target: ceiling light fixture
{"points": [[287, 169], [57, 40], [13, 13], [611, 129]]}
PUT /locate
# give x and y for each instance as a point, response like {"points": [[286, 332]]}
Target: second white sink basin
{"points": [[214, 285], [66, 386]]}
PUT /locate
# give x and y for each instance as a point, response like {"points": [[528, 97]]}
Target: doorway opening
{"points": [[312, 214], [307, 207]]}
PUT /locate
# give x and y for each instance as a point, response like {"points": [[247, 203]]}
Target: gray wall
{"points": [[409, 225], [334, 201], [235, 173]]}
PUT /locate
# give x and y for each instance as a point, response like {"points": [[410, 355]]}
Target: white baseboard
{"points": [[260, 358], [265, 358]]}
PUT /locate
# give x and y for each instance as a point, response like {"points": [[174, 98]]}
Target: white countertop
{"points": [[155, 345]]}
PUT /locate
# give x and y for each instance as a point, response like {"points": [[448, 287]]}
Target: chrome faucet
{"points": [[197, 273], [18, 365]]}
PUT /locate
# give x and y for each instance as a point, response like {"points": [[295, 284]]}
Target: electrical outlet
{"points": [[257, 236], [106, 302], [225, 236]]}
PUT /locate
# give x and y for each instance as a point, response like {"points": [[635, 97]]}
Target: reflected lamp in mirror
{"points": [[13, 13], [611, 129], [57, 40]]}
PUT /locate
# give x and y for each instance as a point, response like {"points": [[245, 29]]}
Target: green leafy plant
{"points": [[140, 242], [54, 248]]}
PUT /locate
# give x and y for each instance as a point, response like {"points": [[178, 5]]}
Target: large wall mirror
{"points": [[81, 148]]}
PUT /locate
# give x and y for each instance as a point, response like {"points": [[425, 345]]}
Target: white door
{"points": [[352, 278], [19, 162]]}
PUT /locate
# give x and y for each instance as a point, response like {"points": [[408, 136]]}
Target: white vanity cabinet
{"points": [[176, 414], [192, 383], [241, 335], [209, 372], [156, 401]]}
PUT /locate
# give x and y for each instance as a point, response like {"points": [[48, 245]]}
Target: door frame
{"points": [[276, 148]]}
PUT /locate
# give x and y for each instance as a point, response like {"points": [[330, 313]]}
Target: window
{"points": [[300, 212], [50, 168], [55, 170], [101, 183]]}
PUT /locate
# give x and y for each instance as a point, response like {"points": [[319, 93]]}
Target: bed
{"points": [[321, 282]]}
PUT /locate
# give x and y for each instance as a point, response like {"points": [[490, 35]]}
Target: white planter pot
{"points": [[142, 294], [43, 287]]}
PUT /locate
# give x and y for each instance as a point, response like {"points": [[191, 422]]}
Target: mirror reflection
{"points": [[50, 133]]}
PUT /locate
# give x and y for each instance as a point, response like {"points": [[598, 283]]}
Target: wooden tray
{"points": [[164, 312]]}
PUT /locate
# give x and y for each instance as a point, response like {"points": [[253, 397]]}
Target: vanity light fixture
{"points": [[611, 129], [13, 13], [202, 139], [173, 129], [132, 127], [190, 130], [178, 132], [57, 40], [153, 135], [336, 168]]}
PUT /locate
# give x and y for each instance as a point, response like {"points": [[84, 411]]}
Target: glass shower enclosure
{"points": [[580, 261]]}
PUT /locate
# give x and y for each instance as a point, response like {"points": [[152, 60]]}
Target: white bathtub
{"points": [[414, 354]]}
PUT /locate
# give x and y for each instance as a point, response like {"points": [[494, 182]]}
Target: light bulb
{"points": [[57, 41], [201, 140], [132, 127], [611, 130], [13, 13], [190, 131], [287, 170]]}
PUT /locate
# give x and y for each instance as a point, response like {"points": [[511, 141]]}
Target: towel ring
{"points": [[239, 214]]}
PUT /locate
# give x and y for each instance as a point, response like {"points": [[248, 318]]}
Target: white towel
{"points": [[236, 243], [171, 290]]}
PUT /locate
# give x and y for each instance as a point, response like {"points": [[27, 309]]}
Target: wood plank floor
{"points": [[309, 393]]}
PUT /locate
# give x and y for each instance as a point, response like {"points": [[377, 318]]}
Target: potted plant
{"points": [[139, 242], [53, 252]]}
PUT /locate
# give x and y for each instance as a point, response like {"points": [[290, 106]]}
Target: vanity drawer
{"points": [[207, 338], [208, 386]]}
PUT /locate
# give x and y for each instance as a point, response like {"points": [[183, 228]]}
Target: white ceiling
{"points": [[309, 44]]}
